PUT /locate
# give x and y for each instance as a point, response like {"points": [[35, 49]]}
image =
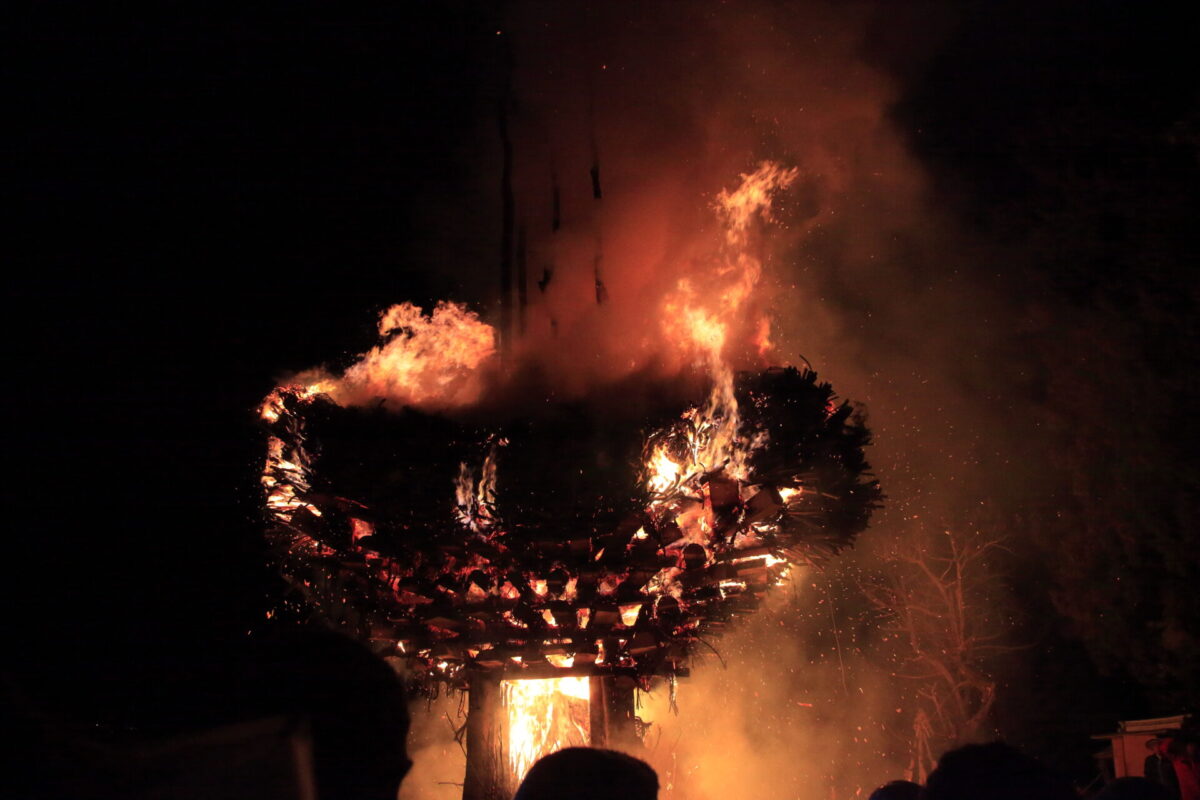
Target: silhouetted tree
{"points": [[940, 606]]}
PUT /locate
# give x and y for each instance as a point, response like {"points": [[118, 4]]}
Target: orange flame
{"points": [[476, 503], [425, 360], [702, 316], [428, 359], [753, 198], [544, 716], [701, 319]]}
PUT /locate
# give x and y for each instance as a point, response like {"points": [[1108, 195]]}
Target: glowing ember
{"points": [[544, 716], [285, 478], [789, 493]]}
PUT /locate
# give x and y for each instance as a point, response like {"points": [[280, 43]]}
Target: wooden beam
{"points": [[487, 775]]}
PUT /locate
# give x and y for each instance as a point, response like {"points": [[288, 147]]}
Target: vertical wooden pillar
{"points": [[487, 775], [611, 713], [597, 719]]}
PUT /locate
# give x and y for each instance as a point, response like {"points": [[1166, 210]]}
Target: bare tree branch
{"points": [[932, 603]]}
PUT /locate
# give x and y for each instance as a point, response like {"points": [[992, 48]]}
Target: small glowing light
{"points": [[789, 492]]}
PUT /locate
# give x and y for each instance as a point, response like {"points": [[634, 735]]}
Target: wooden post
{"points": [[611, 713], [597, 719], [487, 775]]}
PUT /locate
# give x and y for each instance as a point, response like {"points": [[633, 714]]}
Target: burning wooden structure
{"points": [[551, 556], [558, 546]]}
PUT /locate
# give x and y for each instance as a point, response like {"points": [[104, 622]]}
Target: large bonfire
{"points": [[560, 539]]}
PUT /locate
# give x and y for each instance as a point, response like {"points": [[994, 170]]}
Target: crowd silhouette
{"points": [[317, 716]]}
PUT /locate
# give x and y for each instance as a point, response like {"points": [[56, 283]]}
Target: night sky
{"points": [[208, 199]]}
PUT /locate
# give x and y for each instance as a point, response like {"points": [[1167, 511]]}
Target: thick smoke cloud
{"points": [[867, 278], [671, 104]]}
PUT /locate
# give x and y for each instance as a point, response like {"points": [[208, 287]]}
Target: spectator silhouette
{"points": [[1187, 775], [236, 721], [583, 773], [353, 701], [1132, 788], [995, 771], [1159, 768], [897, 790]]}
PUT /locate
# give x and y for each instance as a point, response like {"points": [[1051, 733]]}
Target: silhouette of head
{"points": [[354, 702], [995, 771], [897, 790], [583, 773]]}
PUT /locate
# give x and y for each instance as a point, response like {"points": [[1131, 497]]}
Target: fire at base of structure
{"points": [[544, 716], [511, 723]]}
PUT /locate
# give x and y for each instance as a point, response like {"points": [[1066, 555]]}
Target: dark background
{"points": [[208, 198]]}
